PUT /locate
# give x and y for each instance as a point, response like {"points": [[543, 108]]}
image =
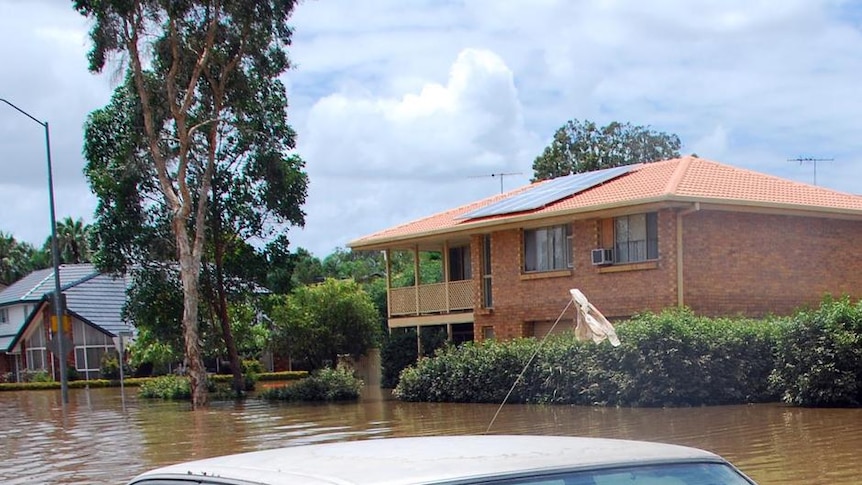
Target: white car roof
{"points": [[405, 461]]}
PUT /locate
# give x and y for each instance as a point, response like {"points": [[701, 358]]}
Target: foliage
{"points": [[327, 384], [678, 359], [28, 375], [472, 372], [317, 323], [287, 375], [671, 359], [109, 367], [819, 356], [73, 241], [169, 387], [397, 353], [582, 146], [17, 259], [154, 305]]}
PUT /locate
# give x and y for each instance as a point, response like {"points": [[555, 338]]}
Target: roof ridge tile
{"points": [[678, 174]]}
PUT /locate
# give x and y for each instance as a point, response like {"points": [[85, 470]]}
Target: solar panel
{"points": [[548, 192]]}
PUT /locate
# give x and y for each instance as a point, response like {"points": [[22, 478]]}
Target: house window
{"points": [[90, 346], [488, 332], [37, 353], [4, 315], [548, 248], [487, 297], [459, 264], [636, 238]]}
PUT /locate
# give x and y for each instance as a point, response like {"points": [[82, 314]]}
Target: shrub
{"points": [[678, 359], [819, 356], [286, 375], [398, 352], [170, 387], [323, 385], [671, 359], [251, 366], [35, 376], [472, 372], [109, 366]]}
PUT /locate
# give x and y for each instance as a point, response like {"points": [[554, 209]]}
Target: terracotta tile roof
{"points": [[683, 179]]}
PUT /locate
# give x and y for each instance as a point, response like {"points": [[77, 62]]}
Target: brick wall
{"points": [[754, 264], [734, 263]]}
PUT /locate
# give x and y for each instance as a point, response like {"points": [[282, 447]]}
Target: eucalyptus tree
{"points": [[185, 61], [583, 146]]}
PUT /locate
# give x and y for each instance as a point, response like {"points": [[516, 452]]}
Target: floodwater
{"points": [[102, 438]]}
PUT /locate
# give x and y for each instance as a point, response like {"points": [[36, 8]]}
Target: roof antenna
{"points": [[498, 174], [812, 160]]}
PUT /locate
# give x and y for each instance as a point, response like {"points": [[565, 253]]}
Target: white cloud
{"points": [[375, 160]]}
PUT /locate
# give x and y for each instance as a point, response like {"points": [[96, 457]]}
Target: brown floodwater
{"points": [[100, 439]]}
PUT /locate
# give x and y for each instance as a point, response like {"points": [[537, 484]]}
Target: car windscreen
{"points": [[660, 474]]}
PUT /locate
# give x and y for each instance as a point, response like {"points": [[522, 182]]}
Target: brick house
{"points": [[683, 232]]}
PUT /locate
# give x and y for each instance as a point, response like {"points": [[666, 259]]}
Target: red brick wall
{"points": [[734, 263], [756, 264]]}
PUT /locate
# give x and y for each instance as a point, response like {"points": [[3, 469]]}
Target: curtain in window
{"points": [[636, 238], [548, 248]]}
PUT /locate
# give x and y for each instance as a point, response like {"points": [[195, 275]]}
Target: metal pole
{"points": [[55, 253]]}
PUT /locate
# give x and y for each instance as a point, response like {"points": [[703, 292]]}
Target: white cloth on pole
{"points": [[592, 325]]}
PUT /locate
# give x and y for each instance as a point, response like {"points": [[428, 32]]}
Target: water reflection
{"points": [[96, 442]]}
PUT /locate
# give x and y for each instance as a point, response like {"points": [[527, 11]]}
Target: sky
{"points": [[407, 108]]}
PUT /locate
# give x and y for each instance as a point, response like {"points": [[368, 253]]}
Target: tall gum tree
{"points": [[182, 57]]}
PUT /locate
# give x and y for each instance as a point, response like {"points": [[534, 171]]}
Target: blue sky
{"points": [[399, 106]]}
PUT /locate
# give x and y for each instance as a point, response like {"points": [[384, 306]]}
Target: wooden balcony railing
{"points": [[433, 298]]}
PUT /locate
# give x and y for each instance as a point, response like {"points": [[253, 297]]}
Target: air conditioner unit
{"points": [[603, 256]]}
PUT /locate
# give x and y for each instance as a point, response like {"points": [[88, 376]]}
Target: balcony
{"points": [[431, 299]]}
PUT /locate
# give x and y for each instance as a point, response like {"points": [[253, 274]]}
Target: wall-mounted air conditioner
{"points": [[603, 256]]}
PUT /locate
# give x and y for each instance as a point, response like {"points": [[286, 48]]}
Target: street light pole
{"points": [[55, 254]]}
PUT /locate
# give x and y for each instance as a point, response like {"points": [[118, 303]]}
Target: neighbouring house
{"points": [[683, 232], [93, 318]]}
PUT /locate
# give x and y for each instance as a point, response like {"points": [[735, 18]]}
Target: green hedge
{"points": [[323, 385], [819, 357], [671, 359], [138, 381]]}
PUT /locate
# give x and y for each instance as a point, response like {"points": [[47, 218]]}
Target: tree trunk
{"points": [[221, 303], [189, 274]]}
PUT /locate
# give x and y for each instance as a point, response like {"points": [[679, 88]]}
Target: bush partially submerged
{"points": [[671, 359], [170, 387], [324, 385], [819, 358]]}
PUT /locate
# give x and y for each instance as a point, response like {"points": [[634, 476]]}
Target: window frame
{"points": [[649, 240], [547, 239], [487, 280]]}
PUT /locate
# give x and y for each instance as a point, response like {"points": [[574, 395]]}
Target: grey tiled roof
{"points": [[33, 286], [100, 300]]}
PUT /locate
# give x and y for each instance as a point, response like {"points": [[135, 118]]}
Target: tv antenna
{"points": [[498, 174], [813, 161]]}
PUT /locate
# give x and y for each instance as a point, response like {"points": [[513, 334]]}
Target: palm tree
{"points": [[72, 241]]}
